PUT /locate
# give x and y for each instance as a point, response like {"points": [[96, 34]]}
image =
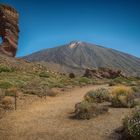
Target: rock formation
{"points": [[8, 30], [103, 73]]}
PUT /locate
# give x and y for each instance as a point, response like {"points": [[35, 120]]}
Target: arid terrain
{"points": [[50, 119], [77, 91]]}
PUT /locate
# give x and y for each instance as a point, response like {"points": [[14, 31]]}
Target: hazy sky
{"points": [[49, 23]]}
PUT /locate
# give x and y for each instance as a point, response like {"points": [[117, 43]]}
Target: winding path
{"points": [[49, 119]]}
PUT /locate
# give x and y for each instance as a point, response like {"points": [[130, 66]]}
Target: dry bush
{"points": [[44, 74], [122, 96], [7, 102], [13, 91], [47, 92], [100, 95], [131, 126], [87, 110], [136, 90]]}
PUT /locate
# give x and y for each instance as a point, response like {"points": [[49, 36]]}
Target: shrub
{"points": [[122, 96], [136, 90], [44, 93], [100, 95], [58, 85], [5, 69], [7, 102], [125, 81], [71, 75], [87, 110], [44, 74], [11, 91], [133, 83], [5, 85], [84, 80], [131, 125]]}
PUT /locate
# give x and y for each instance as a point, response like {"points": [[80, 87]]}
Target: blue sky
{"points": [[49, 23]]}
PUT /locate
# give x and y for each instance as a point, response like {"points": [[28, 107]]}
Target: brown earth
{"points": [[49, 119]]}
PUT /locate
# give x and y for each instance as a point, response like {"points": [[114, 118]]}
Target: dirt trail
{"points": [[48, 119]]}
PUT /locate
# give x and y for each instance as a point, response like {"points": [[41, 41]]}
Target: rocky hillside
{"points": [[82, 55]]}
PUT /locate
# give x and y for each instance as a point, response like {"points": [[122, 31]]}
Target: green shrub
{"points": [[122, 80], [87, 110], [84, 80], [100, 95], [5, 69], [44, 74], [133, 83], [5, 85], [59, 85], [122, 96], [136, 90], [131, 125]]}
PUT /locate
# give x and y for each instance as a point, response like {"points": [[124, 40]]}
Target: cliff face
{"points": [[8, 30]]}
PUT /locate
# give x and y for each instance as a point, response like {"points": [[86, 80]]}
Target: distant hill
{"points": [[77, 56]]}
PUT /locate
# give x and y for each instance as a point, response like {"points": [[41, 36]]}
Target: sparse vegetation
{"points": [[91, 105], [26, 82], [7, 102], [98, 96], [87, 110], [11, 91], [84, 80], [44, 74], [5, 69], [5, 85], [136, 90], [131, 125], [129, 81], [122, 96]]}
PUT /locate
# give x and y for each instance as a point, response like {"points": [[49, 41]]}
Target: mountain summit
{"points": [[82, 55]]}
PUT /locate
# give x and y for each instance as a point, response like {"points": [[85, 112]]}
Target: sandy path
{"points": [[49, 120]]}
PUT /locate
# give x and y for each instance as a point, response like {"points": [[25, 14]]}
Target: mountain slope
{"points": [[85, 55]]}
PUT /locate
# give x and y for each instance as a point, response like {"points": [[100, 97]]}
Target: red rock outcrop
{"points": [[103, 73], [8, 30]]}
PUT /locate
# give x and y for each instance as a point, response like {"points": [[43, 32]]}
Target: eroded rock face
{"points": [[8, 30]]}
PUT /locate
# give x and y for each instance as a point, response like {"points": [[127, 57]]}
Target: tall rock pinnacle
{"points": [[8, 30]]}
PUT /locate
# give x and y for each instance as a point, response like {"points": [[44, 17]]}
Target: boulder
{"points": [[103, 73]]}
